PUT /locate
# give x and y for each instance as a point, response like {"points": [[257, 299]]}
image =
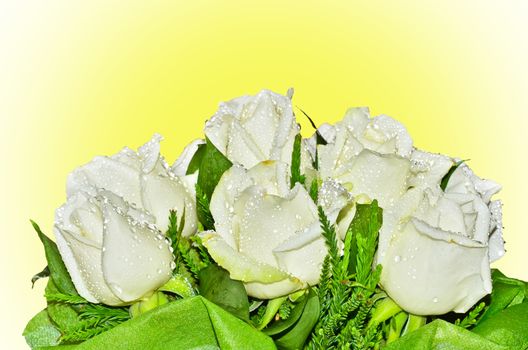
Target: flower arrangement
{"points": [[259, 239]]}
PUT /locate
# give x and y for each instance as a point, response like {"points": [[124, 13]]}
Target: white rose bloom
{"points": [[143, 179], [356, 132], [367, 155], [112, 258], [268, 235], [435, 246], [251, 129]]}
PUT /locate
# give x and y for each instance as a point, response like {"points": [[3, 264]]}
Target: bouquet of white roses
{"points": [[259, 239]]}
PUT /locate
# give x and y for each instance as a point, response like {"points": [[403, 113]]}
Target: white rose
{"points": [[367, 156], [111, 256], [143, 179], [435, 246], [268, 235], [251, 129], [356, 132]]}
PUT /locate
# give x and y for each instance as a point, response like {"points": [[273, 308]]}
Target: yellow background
{"points": [[78, 80]]}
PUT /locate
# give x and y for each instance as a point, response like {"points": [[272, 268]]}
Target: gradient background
{"points": [[78, 80]]}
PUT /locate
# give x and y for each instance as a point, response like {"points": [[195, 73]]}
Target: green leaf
{"points": [[296, 176], [232, 333], [213, 165], [218, 287], [40, 331], [42, 274], [472, 317], [202, 209], [506, 292], [62, 314], [440, 334], [58, 271], [365, 228], [296, 337], [319, 139], [191, 323], [196, 160], [314, 190], [283, 325], [445, 179], [508, 327]]}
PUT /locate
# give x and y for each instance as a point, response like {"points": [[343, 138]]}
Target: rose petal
{"points": [[381, 177], [308, 247], [269, 220], [454, 280], [109, 174], [135, 260], [83, 261], [496, 242], [149, 153], [160, 194], [240, 266]]}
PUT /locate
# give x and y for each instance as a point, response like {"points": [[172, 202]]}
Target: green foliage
{"points": [[218, 287], [472, 317], [285, 309], [296, 176], [212, 167], [58, 272], [196, 161], [79, 320], [445, 179], [211, 164], [192, 323], [189, 255], [202, 209], [506, 292], [202, 251], [40, 331], [272, 308], [64, 298], [346, 298], [67, 313], [314, 190], [319, 139], [285, 323], [440, 334], [257, 316], [94, 320], [295, 336], [507, 327]]}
